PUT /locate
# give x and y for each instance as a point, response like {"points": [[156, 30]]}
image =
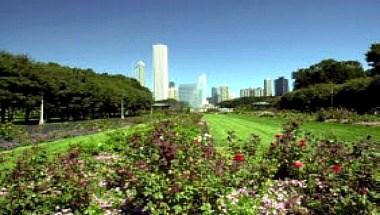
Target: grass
{"points": [[63, 145], [266, 128]]}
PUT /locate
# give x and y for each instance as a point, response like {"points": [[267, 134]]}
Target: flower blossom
{"points": [[336, 168], [302, 143], [298, 164], [239, 157]]}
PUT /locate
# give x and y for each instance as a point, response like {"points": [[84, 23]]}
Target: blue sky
{"points": [[235, 42]]}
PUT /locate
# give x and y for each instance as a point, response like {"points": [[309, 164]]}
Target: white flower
{"points": [[102, 183]]}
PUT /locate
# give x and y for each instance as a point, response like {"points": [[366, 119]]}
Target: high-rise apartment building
{"points": [[248, 92], [214, 95], [224, 94], [258, 92], [160, 72], [140, 72], [281, 86], [267, 87]]}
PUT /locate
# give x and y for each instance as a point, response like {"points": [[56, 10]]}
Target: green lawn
{"points": [[266, 128], [60, 146]]}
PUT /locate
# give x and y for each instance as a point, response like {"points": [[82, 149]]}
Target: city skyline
{"points": [[202, 35]]}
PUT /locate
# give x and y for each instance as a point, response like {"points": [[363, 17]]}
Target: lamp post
{"points": [[122, 109], [41, 122]]}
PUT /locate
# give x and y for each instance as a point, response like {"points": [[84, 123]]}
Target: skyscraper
{"points": [[224, 94], [267, 87], [202, 88], [160, 72], [188, 93], [140, 72], [247, 92], [281, 86], [214, 95], [258, 92], [173, 92]]}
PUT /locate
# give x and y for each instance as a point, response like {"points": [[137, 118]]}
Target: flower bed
{"points": [[173, 167]]}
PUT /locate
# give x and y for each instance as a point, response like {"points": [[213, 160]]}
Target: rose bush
{"points": [[171, 166]]}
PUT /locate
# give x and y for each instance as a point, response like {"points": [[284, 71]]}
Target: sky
{"points": [[236, 43]]}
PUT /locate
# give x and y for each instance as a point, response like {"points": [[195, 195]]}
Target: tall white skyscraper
{"points": [[202, 88], [140, 72], [160, 72], [267, 87]]}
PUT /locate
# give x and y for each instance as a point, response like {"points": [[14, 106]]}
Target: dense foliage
{"points": [[360, 95], [373, 58], [327, 71], [69, 93], [173, 167], [332, 83], [248, 103]]}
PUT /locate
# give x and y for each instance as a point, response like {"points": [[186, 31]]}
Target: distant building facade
{"points": [[258, 92], [160, 72], [173, 91], [224, 94], [267, 87], [214, 95], [188, 93], [247, 92], [140, 73], [281, 86]]}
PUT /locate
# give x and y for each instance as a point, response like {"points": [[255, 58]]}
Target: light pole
{"points": [[122, 109], [41, 122]]}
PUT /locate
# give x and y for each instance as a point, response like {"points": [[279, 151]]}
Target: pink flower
{"points": [[298, 164]]}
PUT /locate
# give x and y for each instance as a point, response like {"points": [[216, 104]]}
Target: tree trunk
{"points": [[27, 115]]}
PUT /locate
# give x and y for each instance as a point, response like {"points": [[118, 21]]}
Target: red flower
{"points": [[336, 168], [298, 164], [239, 157], [302, 143]]}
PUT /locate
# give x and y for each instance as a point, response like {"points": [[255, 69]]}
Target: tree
{"points": [[76, 94], [327, 71], [373, 58]]}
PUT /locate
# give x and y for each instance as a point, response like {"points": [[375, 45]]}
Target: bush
{"points": [[172, 167]]}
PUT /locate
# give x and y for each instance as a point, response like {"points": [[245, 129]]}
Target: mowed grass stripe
{"points": [[219, 125], [266, 128]]}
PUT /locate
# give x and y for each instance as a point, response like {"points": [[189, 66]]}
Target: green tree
{"points": [[327, 71], [373, 58]]}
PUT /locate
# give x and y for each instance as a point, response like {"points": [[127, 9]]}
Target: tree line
{"points": [[332, 83], [68, 93]]}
